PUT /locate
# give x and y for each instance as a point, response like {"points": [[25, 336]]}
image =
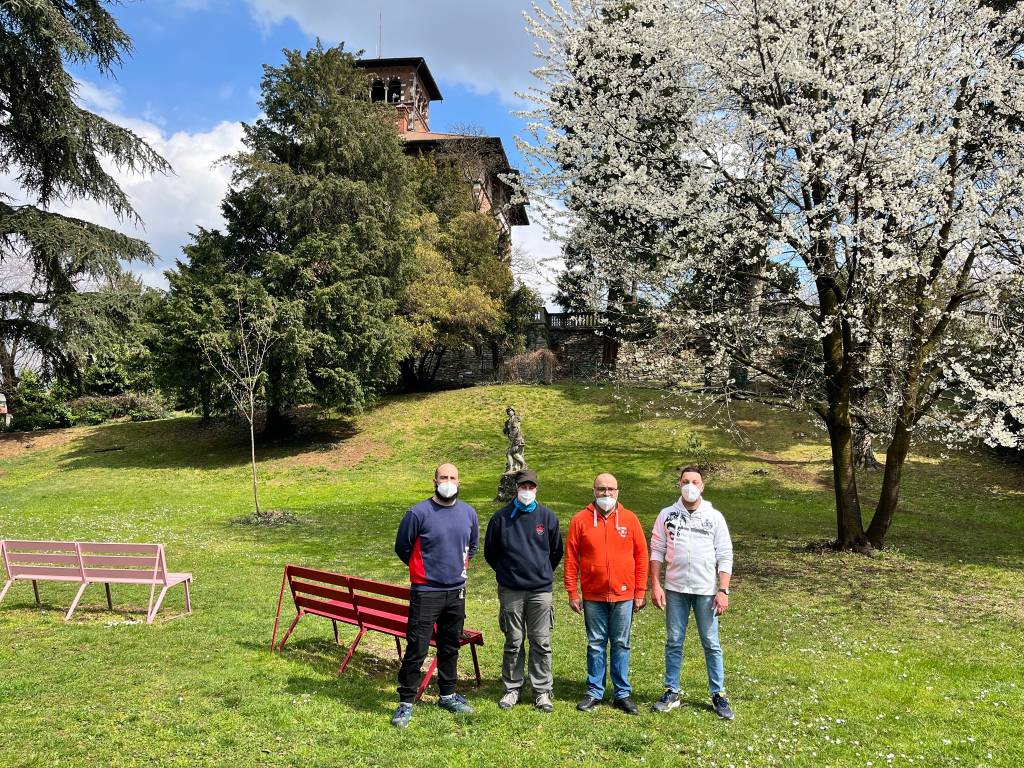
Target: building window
{"points": [[395, 91], [377, 91]]}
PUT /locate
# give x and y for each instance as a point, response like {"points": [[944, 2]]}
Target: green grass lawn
{"points": [[911, 658]]}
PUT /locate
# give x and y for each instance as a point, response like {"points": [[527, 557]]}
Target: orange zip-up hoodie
{"points": [[607, 554]]}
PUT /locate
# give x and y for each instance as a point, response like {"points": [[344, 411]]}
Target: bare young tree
{"points": [[239, 356]]}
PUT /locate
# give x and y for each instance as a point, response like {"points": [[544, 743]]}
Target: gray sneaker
{"points": [[543, 702], [509, 700], [402, 715], [455, 703], [668, 701]]}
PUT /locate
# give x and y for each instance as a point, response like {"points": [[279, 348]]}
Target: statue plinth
{"points": [[506, 487]]}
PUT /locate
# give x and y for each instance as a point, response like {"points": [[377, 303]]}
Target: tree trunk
{"points": [[252, 446], [863, 454], [205, 396], [849, 525], [888, 499]]}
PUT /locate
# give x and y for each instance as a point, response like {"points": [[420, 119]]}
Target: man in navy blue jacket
{"points": [[524, 546], [435, 539]]}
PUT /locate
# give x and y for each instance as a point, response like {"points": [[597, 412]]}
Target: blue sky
{"points": [[195, 73]]}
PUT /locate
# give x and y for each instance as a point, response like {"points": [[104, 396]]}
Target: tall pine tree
{"points": [[53, 147]]}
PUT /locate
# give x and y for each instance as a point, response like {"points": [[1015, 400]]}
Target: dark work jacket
{"points": [[524, 550]]}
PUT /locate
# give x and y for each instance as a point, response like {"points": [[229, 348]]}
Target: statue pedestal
{"points": [[506, 487]]}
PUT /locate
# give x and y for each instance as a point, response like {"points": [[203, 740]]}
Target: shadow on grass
{"points": [[186, 443]]}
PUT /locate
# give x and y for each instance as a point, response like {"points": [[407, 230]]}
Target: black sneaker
{"points": [[722, 708], [455, 704], [588, 704], [627, 705], [668, 701]]}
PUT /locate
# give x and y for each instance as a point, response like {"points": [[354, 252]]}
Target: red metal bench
{"points": [[372, 606], [85, 563]]}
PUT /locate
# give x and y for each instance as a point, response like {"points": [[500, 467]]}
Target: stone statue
{"points": [[515, 459], [513, 430]]}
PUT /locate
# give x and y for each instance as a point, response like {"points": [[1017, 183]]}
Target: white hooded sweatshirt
{"points": [[694, 545]]}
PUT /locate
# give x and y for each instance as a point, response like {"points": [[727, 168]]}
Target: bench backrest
{"points": [[45, 560], [85, 561], [363, 602]]}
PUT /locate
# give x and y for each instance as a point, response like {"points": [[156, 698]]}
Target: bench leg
{"points": [[427, 678], [35, 591], [74, 603], [277, 618], [156, 607], [351, 650], [398, 647], [110, 601], [476, 664], [188, 598], [288, 634], [337, 640], [3, 592]]}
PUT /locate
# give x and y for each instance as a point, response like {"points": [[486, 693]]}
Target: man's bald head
{"points": [[606, 480], [446, 472]]}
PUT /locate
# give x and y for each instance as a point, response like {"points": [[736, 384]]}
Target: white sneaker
{"points": [[509, 700], [543, 702]]}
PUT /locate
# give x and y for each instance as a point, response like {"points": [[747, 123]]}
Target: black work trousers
{"points": [[426, 608]]}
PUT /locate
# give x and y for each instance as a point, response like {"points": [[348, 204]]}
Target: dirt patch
{"points": [[16, 444], [798, 471], [342, 455]]}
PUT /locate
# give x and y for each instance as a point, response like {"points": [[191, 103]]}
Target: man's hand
{"points": [[658, 596], [576, 605], [721, 603], [639, 602]]}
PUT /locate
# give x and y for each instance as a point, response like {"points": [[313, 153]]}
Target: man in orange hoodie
{"points": [[606, 559]]}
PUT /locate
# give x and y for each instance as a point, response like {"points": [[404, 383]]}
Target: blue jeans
{"points": [[608, 624], [677, 614]]}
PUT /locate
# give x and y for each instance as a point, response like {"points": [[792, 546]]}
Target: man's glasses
{"points": [[605, 490]]}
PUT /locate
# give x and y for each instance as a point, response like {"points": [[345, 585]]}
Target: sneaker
{"points": [[454, 703], [627, 705], [668, 701], [588, 704], [722, 708], [509, 700], [543, 702], [402, 715]]}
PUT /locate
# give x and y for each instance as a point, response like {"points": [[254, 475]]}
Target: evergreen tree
{"points": [[54, 149], [317, 214]]}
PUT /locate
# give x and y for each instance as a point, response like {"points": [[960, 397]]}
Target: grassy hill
{"points": [[911, 658]]}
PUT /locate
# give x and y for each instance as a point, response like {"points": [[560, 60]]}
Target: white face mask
{"points": [[605, 503], [447, 490], [690, 493], [526, 498]]}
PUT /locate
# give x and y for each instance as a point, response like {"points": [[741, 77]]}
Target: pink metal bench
{"points": [[88, 563]]}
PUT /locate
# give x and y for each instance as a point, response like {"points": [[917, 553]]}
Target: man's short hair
{"points": [[691, 468]]}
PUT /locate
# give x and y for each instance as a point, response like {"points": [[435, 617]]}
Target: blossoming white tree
{"points": [[825, 195]]}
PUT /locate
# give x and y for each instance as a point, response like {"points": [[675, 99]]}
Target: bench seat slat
{"points": [[90, 561], [385, 607], [330, 593], [380, 588], [13, 545], [114, 548], [131, 574], [25, 558], [328, 608], [315, 575], [50, 573]]}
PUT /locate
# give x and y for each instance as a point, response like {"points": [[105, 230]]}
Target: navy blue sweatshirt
{"points": [[524, 549], [436, 543]]}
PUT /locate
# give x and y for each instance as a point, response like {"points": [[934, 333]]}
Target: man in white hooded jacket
{"points": [[692, 540]]}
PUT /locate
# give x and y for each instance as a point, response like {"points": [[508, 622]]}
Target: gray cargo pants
{"points": [[526, 616]]}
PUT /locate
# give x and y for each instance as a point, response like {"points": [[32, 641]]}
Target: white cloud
{"points": [[483, 45], [171, 206], [538, 257]]}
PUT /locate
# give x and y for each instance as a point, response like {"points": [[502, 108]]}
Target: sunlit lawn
{"points": [[911, 658]]}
